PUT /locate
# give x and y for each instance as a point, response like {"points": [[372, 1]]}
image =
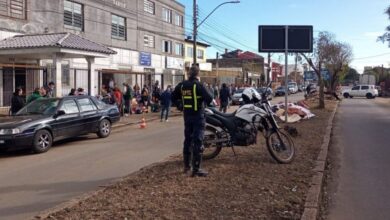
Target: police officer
{"points": [[192, 96]]}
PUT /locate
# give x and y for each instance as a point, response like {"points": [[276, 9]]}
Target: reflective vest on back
{"points": [[190, 98]]}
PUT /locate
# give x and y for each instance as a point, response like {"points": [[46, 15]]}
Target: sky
{"points": [[235, 26]]}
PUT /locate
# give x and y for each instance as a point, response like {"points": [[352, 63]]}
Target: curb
{"points": [[313, 198], [119, 125]]}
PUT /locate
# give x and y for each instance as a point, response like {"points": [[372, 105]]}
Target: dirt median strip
{"points": [[247, 186]]}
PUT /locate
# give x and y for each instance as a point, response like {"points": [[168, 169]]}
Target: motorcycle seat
{"points": [[225, 115]]}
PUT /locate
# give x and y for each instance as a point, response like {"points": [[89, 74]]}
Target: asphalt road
{"points": [[32, 183], [361, 151]]}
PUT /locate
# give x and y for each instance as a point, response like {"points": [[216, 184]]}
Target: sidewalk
{"points": [[136, 118]]}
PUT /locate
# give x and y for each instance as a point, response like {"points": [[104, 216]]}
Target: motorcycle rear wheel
{"points": [[275, 147], [211, 150]]}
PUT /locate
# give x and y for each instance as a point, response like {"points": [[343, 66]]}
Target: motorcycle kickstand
{"points": [[234, 152]]}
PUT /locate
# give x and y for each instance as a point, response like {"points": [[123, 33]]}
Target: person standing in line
{"points": [[166, 102], [17, 101], [145, 97], [35, 95], [50, 90], [193, 97], [127, 96], [72, 92], [224, 96], [118, 99]]}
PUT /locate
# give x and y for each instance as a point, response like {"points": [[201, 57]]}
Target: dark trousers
{"points": [[223, 106], [194, 126], [165, 111], [127, 106]]}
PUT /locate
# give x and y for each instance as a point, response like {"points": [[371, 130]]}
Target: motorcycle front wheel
{"points": [[281, 147], [211, 148]]}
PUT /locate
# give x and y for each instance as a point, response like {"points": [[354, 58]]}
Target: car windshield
{"points": [[40, 107], [280, 88], [238, 91]]}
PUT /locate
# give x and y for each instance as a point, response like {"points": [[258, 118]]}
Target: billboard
{"points": [[312, 75], [272, 38]]}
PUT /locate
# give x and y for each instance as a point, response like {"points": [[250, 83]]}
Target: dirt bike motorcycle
{"points": [[241, 128]]}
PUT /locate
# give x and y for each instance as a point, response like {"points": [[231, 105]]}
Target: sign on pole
{"points": [[272, 38], [286, 39]]}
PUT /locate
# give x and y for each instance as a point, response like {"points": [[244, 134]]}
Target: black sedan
{"points": [[44, 121], [281, 91]]}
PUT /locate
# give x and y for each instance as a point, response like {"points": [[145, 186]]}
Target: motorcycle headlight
{"points": [[240, 100], [9, 131]]}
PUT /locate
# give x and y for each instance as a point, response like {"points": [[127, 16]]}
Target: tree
{"points": [[331, 54], [338, 58], [316, 59], [351, 76], [386, 36]]}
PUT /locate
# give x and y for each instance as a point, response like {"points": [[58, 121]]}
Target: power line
{"points": [[373, 56]]}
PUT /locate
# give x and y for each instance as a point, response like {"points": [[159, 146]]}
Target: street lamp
{"points": [[196, 26]]}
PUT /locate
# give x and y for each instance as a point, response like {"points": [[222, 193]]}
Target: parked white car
{"points": [[368, 91], [293, 87]]}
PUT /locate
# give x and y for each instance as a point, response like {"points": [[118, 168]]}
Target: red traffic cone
{"points": [[143, 123]]}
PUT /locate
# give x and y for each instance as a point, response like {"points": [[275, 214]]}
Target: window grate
{"points": [[13, 8], [149, 7], [118, 27], [73, 15]]}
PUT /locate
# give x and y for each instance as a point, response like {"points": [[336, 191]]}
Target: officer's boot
{"points": [[196, 171], [186, 160]]}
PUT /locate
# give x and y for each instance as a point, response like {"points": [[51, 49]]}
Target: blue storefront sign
{"points": [[145, 59], [312, 75]]}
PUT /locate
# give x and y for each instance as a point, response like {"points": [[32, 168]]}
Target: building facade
{"points": [[240, 68], [147, 36], [204, 67]]}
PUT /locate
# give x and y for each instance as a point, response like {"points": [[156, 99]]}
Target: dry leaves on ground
{"points": [[249, 186]]}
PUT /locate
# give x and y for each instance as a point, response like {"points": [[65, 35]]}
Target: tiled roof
{"points": [[60, 40]]}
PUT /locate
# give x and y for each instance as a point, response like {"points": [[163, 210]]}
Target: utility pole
{"points": [[195, 32], [383, 74], [267, 78], [217, 65], [295, 70]]}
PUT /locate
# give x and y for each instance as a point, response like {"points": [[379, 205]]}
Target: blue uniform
{"points": [[192, 96]]}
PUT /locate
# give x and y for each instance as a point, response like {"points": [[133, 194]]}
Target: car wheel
{"points": [[346, 95], [104, 128], [350, 96], [42, 141], [369, 96]]}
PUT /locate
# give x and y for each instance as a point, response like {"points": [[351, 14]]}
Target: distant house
{"points": [[239, 67]]}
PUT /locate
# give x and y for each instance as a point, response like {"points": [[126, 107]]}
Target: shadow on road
{"points": [[61, 143], [64, 189]]}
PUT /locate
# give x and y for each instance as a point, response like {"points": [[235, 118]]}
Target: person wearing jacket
{"points": [[17, 101], [224, 96], [118, 99], [193, 96], [166, 102], [127, 96], [36, 95]]}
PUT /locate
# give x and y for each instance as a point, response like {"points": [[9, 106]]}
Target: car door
{"points": [[89, 114], [355, 91], [363, 90], [68, 124]]}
